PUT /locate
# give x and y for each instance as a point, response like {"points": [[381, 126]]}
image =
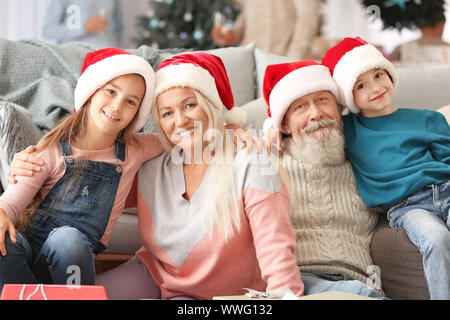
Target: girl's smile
{"points": [[110, 117]]}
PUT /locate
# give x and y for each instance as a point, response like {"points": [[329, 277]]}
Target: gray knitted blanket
{"points": [[41, 77]]}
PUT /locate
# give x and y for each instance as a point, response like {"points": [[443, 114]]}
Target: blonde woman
{"points": [[218, 220]]}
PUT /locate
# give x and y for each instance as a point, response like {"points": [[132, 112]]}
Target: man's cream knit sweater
{"points": [[332, 224]]}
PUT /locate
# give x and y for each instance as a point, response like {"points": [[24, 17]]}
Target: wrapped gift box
{"points": [[329, 295], [52, 292]]}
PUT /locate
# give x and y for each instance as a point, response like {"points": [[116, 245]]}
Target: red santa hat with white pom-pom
{"points": [[348, 60], [101, 66], [205, 73]]}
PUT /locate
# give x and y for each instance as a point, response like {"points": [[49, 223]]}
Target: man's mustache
{"points": [[318, 124]]}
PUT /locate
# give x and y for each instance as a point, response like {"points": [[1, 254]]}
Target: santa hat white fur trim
{"points": [[187, 75], [297, 84], [354, 63], [98, 74], [195, 77]]}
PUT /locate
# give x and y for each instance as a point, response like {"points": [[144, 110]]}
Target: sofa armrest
{"points": [[400, 263]]}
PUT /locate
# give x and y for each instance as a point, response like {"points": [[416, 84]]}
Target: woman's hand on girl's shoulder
{"points": [[24, 164]]}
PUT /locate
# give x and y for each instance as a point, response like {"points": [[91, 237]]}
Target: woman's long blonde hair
{"points": [[222, 197], [71, 128]]}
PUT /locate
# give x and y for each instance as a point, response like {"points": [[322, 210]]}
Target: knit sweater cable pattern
{"points": [[332, 225]]}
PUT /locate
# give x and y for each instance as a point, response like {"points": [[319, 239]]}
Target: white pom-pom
{"points": [[236, 116]]}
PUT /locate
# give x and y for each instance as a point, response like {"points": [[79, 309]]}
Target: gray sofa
{"points": [[36, 89]]}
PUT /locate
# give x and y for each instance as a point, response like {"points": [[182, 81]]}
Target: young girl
{"points": [[400, 158], [218, 221], [65, 213]]}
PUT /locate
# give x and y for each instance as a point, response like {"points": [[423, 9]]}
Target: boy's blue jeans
{"points": [[66, 257], [318, 283], [424, 216]]}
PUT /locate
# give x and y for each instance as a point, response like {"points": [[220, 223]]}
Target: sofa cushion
{"points": [[125, 238], [17, 131], [400, 263], [422, 88], [240, 65]]}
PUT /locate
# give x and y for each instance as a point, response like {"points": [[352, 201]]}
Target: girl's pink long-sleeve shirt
{"points": [[17, 196]]}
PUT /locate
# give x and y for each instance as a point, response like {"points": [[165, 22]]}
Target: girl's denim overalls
{"points": [[66, 229]]}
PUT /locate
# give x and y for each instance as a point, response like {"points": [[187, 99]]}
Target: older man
{"points": [[331, 222]]}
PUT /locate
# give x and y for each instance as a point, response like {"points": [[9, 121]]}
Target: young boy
{"points": [[400, 158]]}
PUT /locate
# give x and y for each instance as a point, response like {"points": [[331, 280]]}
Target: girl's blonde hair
{"points": [[71, 128], [222, 197]]}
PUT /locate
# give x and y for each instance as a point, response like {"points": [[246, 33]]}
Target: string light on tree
{"points": [[188, 16], [198, 34]]}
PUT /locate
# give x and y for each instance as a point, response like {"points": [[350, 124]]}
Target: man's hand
{"points": [[244, 139], [272, 136], [24, 164]]}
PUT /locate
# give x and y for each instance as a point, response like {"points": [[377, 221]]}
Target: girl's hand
{"points": [[24, 164], [6, 225], [243, 139], [272, 136]]}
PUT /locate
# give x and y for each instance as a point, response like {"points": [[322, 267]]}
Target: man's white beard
{"points": [[324, 148]]}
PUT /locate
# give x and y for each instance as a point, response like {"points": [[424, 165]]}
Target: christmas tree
{"points": [[184, 23]]}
